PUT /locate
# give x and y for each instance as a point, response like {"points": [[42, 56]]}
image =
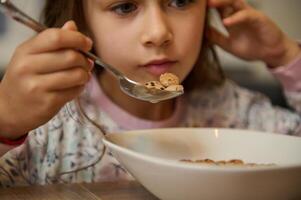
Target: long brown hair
{"points": [[207, 72]]}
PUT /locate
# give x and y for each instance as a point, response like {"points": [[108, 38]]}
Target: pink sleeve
{"points": [[5, 148], [289, 75]]}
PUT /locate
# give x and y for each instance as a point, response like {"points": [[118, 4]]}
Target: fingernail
{"points": [[69, 24], [89, 41], [226, 21], [91, 63], [65, 25]]}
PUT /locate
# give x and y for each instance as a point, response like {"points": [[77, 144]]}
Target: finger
{"points": [[226, 11], [220, 3], [227, 8], [64, 79], [59, 60], [236, 4], [64, 96], [218, 38], [59, 98], [245, 16], [55, 39]]}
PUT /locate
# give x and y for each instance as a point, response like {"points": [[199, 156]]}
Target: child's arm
{"points": [[45, 73], [252, 35]]}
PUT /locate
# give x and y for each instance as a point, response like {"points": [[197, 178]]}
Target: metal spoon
{"points": [[130, 87]]}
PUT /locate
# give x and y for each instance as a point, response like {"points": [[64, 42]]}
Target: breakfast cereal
{"points": [[168, 79], [168, 82], [233, 162]]}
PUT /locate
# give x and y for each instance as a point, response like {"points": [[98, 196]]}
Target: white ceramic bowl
{"points": [[152, 157]]}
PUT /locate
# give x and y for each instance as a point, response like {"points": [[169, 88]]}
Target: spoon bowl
{"points": [[139, 91]]}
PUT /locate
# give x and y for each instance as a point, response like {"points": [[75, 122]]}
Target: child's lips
{"points": [[159, 67]]}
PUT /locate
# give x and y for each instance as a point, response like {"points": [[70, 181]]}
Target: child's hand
{"points": [[253, 36], [44, 73]]}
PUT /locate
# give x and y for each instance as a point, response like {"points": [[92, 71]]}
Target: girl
{"points": [[143, 39]]}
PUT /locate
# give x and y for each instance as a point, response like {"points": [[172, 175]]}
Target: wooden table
{"points": [[84, 191]]}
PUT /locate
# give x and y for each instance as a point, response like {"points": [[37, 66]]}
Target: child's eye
{"points": [[180, 3], [124, 8]]}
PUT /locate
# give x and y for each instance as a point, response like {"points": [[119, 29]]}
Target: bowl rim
{"points": [[209, 168]]}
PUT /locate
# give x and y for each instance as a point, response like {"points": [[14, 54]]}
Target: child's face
{"points": [[129, 34]]}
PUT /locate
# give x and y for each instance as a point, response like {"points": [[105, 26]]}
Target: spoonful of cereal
{"points": [[132, 88], [167, 83]]}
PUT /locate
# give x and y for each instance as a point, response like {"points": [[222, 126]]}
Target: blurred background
{"points": [[253, 75]]}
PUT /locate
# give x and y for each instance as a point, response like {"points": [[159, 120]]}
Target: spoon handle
{"points": [[23, 18]]}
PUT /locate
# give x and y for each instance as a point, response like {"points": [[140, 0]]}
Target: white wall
{"points": [[286, 13]]}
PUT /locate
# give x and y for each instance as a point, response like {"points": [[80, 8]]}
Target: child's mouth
{"points": [[158, 67]]}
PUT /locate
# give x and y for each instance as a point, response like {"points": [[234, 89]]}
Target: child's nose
{"points": [[156, 30]]}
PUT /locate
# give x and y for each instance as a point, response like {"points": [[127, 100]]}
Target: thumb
{"points": [[70, 25]]}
